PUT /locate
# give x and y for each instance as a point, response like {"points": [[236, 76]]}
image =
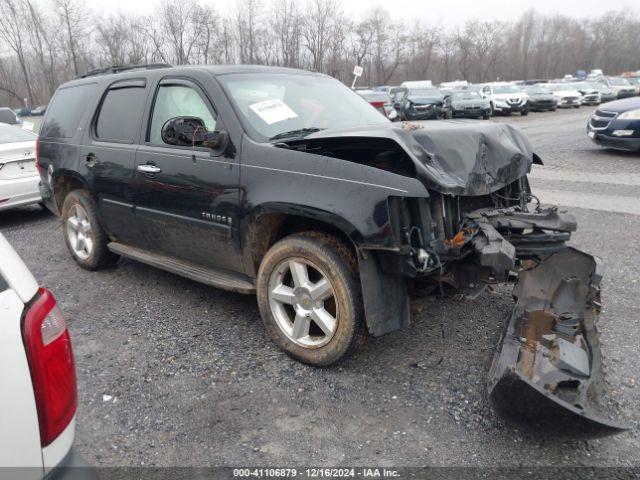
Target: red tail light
{"points": [[50, 357], [37, 153]]}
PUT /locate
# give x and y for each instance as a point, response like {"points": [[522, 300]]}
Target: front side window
{"points": [[118, 119], [178, 101]]}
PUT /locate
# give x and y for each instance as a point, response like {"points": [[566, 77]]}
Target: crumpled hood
{"points": [[456, 157]]}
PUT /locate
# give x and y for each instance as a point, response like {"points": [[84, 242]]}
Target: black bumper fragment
{"points": [[548, 373]]}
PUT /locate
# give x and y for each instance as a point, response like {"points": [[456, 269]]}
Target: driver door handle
{"points": [[149, 169]]}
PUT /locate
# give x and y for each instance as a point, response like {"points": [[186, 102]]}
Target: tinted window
{"points": [[11, 134], [66, 110], [119, 118], [178, 101]]}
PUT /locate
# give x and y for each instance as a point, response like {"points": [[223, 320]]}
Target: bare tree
{"points": [[12, 28], [318, 28], [42, 46], [73, 16]]}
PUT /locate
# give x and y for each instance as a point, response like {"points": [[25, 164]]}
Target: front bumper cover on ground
{"points": [[548, 371]]}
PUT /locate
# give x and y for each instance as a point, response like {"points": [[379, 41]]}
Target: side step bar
{"points": [[225, 280]]}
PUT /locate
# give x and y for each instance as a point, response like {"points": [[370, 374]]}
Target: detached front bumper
{"points": [[548, 372]]}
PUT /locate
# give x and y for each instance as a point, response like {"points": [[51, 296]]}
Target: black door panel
{"points": [[186, 199]]}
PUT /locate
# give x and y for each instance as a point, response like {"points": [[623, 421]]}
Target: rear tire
{"points": [[85, 237], [315, 328]]}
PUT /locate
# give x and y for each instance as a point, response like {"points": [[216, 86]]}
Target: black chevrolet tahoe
{"points": [[288, 185]]}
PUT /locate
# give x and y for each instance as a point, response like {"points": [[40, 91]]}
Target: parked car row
{"points": [[421, 100], [33, 112]]}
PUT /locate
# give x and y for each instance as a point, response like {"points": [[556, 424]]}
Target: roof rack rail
{"points": [[124, 68]]}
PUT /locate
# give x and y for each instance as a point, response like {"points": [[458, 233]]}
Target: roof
{"points": [[215, 70]]}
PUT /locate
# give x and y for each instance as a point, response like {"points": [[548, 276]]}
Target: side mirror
{"points": [[191, 132]]}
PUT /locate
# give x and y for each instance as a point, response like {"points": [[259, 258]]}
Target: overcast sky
{"points": [[445, 12]]}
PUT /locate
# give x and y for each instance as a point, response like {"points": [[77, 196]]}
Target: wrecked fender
{"points": [[548, 372]]}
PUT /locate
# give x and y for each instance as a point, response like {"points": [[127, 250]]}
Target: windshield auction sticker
{"points": [[273, 111]]}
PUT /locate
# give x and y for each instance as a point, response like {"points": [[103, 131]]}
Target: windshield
{"points": [[506, 89], [536, 90], [425, 93], [618, 81], [9, 134], [272, 104], [466, 95], [560, 87]]}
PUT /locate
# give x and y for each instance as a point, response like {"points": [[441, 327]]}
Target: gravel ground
{"points": [[173, 373]]}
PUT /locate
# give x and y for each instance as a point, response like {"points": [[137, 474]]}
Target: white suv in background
{"points": [[38, 396], [505, 97]]}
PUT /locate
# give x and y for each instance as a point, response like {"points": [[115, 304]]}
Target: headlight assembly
{"points": [[630, 115]]}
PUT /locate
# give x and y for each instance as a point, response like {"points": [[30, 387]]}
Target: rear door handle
{"points": [[149, 169]]}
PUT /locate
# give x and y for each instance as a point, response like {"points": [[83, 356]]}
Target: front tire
{"points": [[310, 298], [85, 238], [524, 113]]}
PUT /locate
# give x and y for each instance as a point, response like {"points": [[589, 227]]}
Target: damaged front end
{"points": [[477, 225], [548, 370]]}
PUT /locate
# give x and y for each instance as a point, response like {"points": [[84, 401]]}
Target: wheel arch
{"points": [[384, 295], [63, 182], [271, 222]]}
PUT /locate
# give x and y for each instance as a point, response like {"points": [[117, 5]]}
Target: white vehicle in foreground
{"points": [[566, 95], [19, 177], [37, 379]]}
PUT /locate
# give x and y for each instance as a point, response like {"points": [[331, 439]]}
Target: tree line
{"points": [[46, 42]]}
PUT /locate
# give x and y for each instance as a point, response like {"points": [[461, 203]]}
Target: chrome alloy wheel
{"points": [[79, 232], [303, 303]]}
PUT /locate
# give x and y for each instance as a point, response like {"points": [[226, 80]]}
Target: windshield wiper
{"points": [[302, 132]]}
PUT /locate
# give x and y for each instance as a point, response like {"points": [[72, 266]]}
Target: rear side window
{"points": [[119, 116], [66, 110]]}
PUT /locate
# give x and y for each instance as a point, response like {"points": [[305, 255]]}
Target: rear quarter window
{"points": [[119, 116], [66, 110]]}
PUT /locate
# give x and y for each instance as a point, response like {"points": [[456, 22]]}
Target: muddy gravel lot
{"points": [[173, 373]]}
